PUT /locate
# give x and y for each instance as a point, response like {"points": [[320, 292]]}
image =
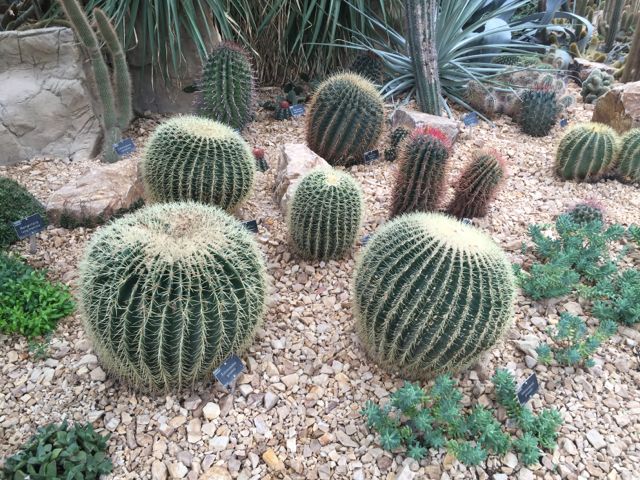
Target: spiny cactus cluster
{"points": [[194, 158], [586, 212], [517, 60], [431, 294], [396, 137], [325, 214], [169, 292], [629, 157], [368, 65], [597, 84], [421, 172], [586, 152], [477, 185], [344, 119], [539, 111], [227, 86]]}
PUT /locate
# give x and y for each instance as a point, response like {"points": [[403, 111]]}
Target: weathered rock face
{"points": [[97, 195], [619, 107], [46, 106], [411, 119], [583, 67], [296, 160]]}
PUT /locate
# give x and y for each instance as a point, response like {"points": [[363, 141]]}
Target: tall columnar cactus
{"points": [[421, 172], [395, 139], [325, 214], [431, 294], [586, 152], [631, 72], [629, 156], [478, 185], [596, 84], [344, 119], [369, 65], [539, 111], [613, 24], [169, 292], [194, 158], [227, 86]]}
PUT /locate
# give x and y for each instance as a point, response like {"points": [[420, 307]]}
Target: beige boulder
{"points": [[411, 119], [583, 68], [619, 107]]}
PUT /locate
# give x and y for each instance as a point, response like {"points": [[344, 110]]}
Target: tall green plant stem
{"points": [[632, 65], [421, 16], [614, 24]]}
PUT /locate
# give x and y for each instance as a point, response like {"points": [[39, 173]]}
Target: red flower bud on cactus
{"points": [[258, 152], [284, 104]]}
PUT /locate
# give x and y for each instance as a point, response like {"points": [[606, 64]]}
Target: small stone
{"points": [[270, 400], [510, 460], [177, 470], [325, 439], [12, 356], [290, 380], [185, 457], [98, 375], [216, 473], [405, 474], [219, 443], [272, 460], [193, 431], [573, 308], [500, 476], [211, 411], [158, 470], [569, 447], [595, 439], [345, 439], [178, 421], [525, 474]]}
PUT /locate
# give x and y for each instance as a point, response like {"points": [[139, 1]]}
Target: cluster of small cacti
{"points": [[396, 137], [431, 294], [325, 214], [194, 158], [596, 84], [586, 212], [344, 119], [368, 65], [539, 112], [629, 156]]}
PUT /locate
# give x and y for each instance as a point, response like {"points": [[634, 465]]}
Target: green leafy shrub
{"points": [[15, 203], [61, 451], [29, 304]]}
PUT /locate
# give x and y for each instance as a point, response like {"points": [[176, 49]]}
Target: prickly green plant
{"points": [[369, 65], [421, 172], [477, 185], [596, 84], [431, 294], [629, 156], [194, 158], [539, 112], [586, 152], [169, 292], [282, 111], [517, 60], [227, 86], [344, 119], [586, 212], [325, 214], [396, 137], [16, 203]]}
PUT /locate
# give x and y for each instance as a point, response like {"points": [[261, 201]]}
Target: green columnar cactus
{"points": [[344, 119], [586, 152], [596, 84], [396, 137], [368, 65], [421, 172], [539, 112], [325, 214], [586, 212], [169, 292], [194, 158], [431, 294], [629, 157], [478, 185], [227, 86]]}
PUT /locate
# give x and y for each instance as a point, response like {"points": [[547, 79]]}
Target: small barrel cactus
{"points": [[478, 185], [596, 84], [431, 294], [194, 158], [261, 161], [170, 291], [539, 111], [629, 157], [227, 86], [421, 171], [396, 137], [282, 111], [586, 212], [325, 214], [586, 152], [369, 65], [345, 119]]}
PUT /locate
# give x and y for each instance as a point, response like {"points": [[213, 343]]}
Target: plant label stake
{"points": [[371, 156], [251, 225], [564, 122], [467, 221], [124, 147], [28, 227], [365, 239], [470, 119], [297, 110], [229, 371], [528, 389]]}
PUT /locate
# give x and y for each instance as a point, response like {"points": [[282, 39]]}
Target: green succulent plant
{"points": [[395, 139], [539, 112], [16, 203], [629, 156], [369, 65], [596, 84], [586, 212]]}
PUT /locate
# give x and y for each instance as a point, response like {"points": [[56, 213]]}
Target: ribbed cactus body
{"points": [[539, 112], [431, 294], [194, 158], [368, 65], [629, 157], [596, 84], [477, 185], [586, 152], [395, 139], [325, 214], [421, 172], [586, 212], [282, 111], [169, 292], [227, 86], [344, 119]]}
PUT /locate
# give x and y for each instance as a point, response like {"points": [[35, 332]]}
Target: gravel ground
{"points": [[295, 413]]}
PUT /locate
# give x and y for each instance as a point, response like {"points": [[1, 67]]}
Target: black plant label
{"points": [[28, 226], [228, 372], [251, 225], [371, 156], [528, 389]]}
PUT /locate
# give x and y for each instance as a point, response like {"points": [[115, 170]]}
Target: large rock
{"points": [[46, 107], [98, 195], [583, 68], [296, 160], [619, 107], [411, 119]]}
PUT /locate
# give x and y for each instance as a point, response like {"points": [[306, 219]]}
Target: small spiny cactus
{"points": [[629, 156], [369, 65], [282, 111], [261, 161], [597, 84], [586, 212], [539, 111], [396, 137]]}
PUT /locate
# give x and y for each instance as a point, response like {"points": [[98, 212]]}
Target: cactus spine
{"points": [[596, 84], [227, 86], [629, 157], [586, 152], [395, 139], [539, 112], [369, 65], [169, 292], [344, 119], [478, 185], [194, 158], [421, 172], [431, 294], [325, 214]]}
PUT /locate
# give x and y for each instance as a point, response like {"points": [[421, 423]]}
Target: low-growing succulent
{"points": [[395, 139], [431, 294], [539, 111], [596, 84], [369, 65], [629, 156], [169, 292], [194, 158], [16, 203], [586, 212], [282, 111], [325, 214]]}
